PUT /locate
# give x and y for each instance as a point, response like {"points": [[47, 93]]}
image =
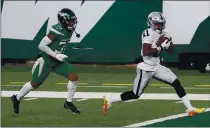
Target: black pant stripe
{"points": [[139, 83]]}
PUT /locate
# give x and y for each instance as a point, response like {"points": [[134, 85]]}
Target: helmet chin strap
{"points": [[77, 34]]}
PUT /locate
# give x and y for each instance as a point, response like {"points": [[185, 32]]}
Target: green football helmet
{"points": [[68, 20]]}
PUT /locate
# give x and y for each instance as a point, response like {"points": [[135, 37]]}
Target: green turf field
{"points": [[98, 79]]}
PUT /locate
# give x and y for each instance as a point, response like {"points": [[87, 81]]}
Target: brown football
{"points": [[162, 39]]}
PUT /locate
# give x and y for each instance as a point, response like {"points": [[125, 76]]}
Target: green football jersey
{"points": [[61, 39]]}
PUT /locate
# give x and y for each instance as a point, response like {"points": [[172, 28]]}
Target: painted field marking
{"points": [[189, 88], [82, 99], [12, 85], [33, 98], [67, 83], [132, 84], [203, 85], [145, 123], [103, 86], [17, 82], [159, 84], [116, 84], [80, 86], [100, 95], [179, 102], [185, 88]]}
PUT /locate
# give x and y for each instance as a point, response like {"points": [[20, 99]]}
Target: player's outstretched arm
{"points": [[43, 46]]}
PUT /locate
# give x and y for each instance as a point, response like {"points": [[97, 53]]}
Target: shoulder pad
{"points": [[57, 31], [147, 33]]}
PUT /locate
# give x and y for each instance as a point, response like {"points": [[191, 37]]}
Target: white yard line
{"points": [[179, 102], [82, 99], [185, 88], [33, 98], [159, 120], [100, 95], [15, 85], [77, 86], [103, 86]]}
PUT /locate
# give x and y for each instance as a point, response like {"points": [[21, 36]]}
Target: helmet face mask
{"points": [[72, 23], [156, 21], [67, 19]]}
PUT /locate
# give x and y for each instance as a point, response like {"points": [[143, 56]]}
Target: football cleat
{"points": [[106, 105], [196, 111], [15, 104], [70, 105]]}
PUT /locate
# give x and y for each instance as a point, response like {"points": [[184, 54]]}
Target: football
{"points": [[162, 39]]}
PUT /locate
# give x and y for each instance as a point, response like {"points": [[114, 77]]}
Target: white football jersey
{"points": [[150, 63]]}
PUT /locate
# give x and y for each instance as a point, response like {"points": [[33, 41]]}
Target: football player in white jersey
{"points": [[150, 66]]}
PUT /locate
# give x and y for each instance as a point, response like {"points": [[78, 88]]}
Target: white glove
{"points": [[165, 45], [60, 57]]}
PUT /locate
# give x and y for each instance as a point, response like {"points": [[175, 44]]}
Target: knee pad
{"points": [[35, 85], [128, 96], [178, 87], [73, 76]]}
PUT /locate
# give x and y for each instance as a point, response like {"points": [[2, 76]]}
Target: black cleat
{"points": [[15, 104], [70, 105]]}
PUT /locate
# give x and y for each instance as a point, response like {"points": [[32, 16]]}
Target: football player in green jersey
{"points": [[52, 59]]}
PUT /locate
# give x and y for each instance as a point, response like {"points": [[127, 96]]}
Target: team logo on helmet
{"points": [[156, 21]]}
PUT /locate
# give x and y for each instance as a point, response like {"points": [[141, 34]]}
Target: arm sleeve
{"points": [[43, 46]]}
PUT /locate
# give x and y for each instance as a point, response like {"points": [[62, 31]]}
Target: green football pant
{"points": [[41, 70]]}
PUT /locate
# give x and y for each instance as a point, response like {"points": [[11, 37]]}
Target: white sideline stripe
{"points": [[160, 120], [184, 88], [82, 99], [100, 95], [31, 98], [79, 86], [179, 102]]}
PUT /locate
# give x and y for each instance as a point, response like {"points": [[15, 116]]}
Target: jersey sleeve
{"points": [[55, 33], [147, 37]]}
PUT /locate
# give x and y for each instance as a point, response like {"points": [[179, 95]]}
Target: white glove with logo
{"points": [[165, 45], [60, 57]]}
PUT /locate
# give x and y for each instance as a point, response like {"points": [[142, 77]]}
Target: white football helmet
{"points": [[156, 21]]}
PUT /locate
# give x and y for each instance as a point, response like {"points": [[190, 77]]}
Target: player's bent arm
{"points": [[43, 46], [171, 49], [148, 50]]}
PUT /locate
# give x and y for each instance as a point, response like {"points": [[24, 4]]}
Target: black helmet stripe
{"points": [[161, 17]]}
